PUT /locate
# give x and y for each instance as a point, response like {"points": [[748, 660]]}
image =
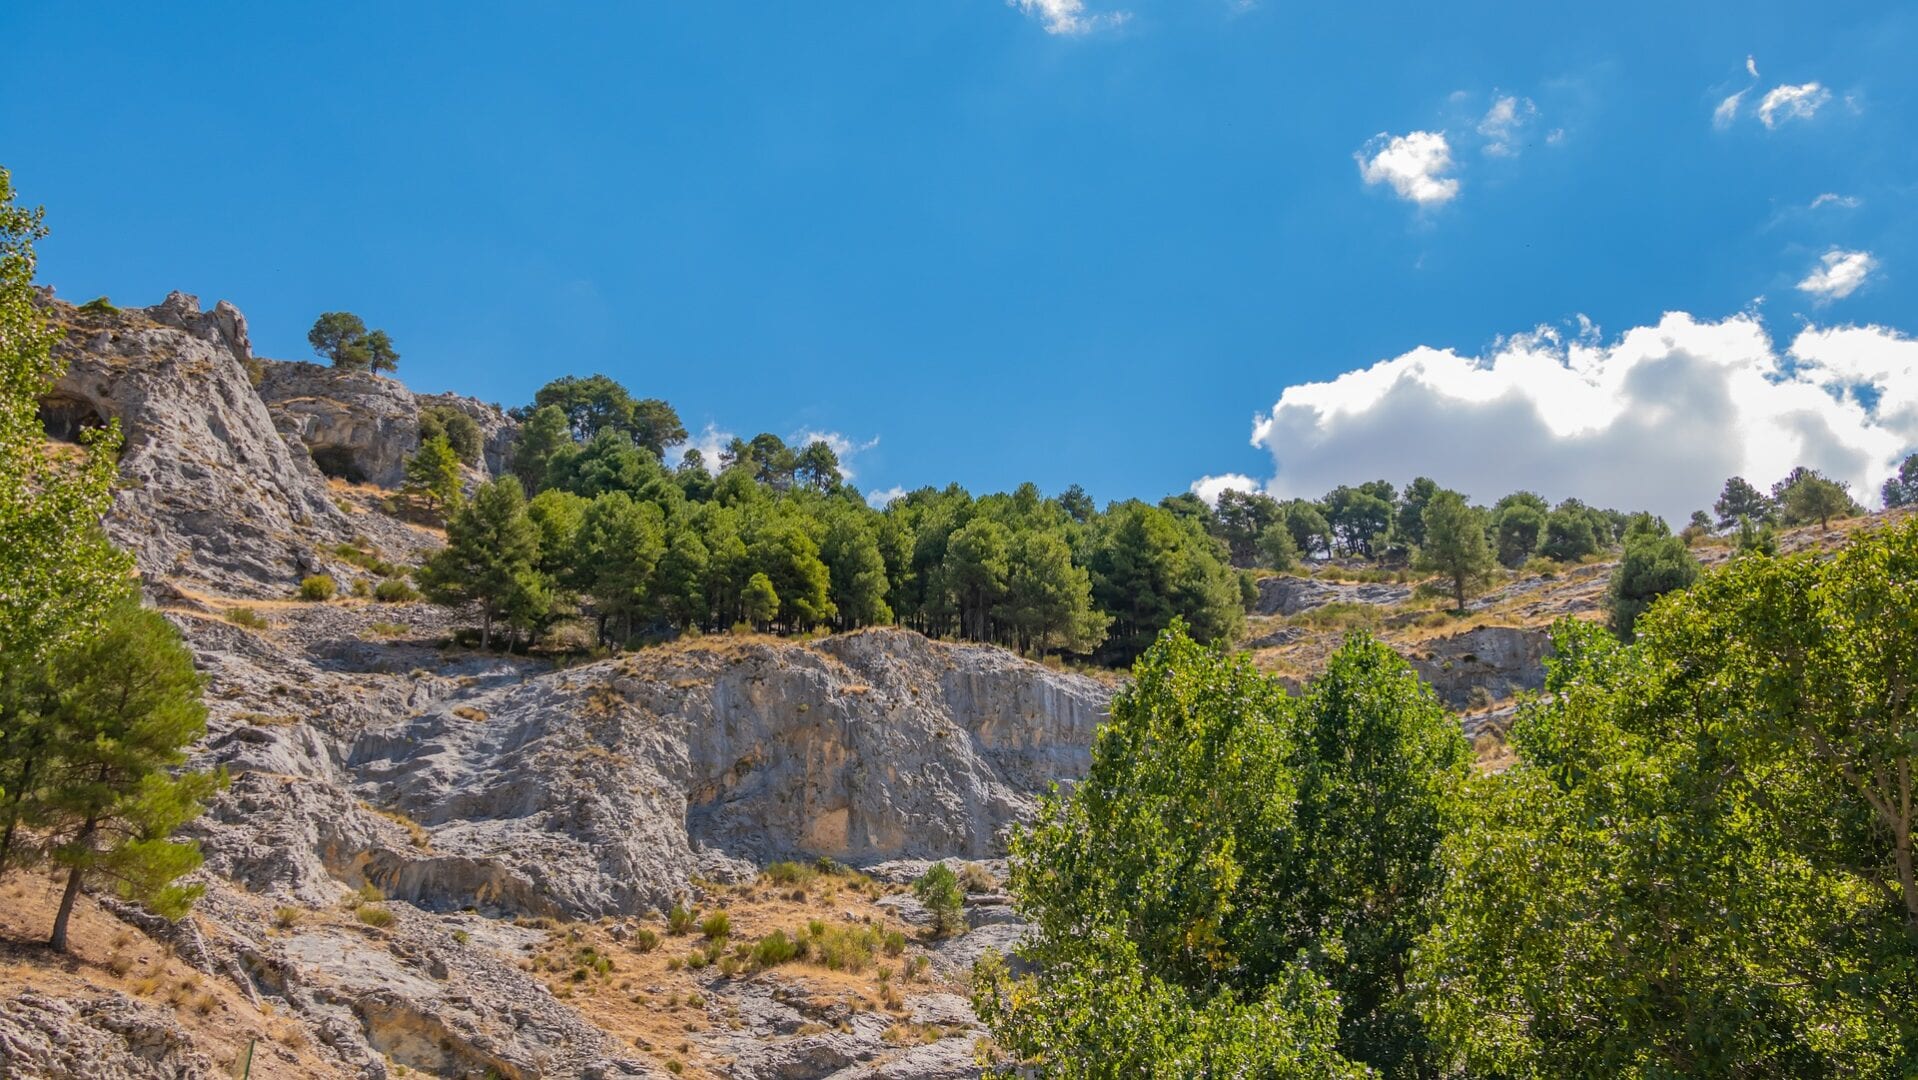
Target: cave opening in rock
{"points": [[338, 462], [65, 417]]}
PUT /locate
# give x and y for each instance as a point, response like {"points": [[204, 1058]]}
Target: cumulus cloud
{"points": [[1414, 164], [1839, 274], [1503, 122], [879, 499], [1655, 419], [1792, 103], [709, 442], [1068, 16], [1832, 199], [1209, 488]]}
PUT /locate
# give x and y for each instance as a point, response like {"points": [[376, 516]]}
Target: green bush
{"points": [[716, 926], [938, 889], [645, 940], [395, 591], [681, 919], [374, 915], [100, 305], [247, 617], [774, 949], [319, 588]]}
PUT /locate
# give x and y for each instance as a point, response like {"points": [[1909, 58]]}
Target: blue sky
{"points": [[1056, 241]]}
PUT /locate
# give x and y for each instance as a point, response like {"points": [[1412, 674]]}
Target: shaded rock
{"points": [[1287, 595], [1483, 665], [361, 427], [100, 1037]]}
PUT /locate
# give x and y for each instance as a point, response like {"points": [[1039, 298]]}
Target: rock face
{"points": [[211, 491], [1286, 595], [1483, 665], [601, 790], [104, 1037], [361, 427]]}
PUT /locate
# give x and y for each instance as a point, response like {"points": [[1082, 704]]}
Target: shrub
{"points": [[774, 949], [893, 942], [716, 926], [938, 889], [362, 588], [842, 948], [681, 919], [374, 915], [790, 873], [287, 917], [387, 629], [975, 878], [395, 591], [100, 305], [247, 617], [319, 587], [645, 940]]}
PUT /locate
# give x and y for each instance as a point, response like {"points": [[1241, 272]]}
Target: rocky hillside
{"points": [[437, 861], [420, 840]]}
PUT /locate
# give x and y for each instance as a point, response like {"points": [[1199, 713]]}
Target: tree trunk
{"points": [[58, 940], [1458, 585]]}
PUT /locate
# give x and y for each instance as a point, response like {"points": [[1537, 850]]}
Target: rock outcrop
{"points": [[361, 427], [1483, 665], [211, 492], [1287, 595]]}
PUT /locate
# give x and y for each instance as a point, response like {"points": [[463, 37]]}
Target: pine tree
{"points": [[489, 557], [760, 600], [128, 703], [1455, 543], [434, 472], [620, 543]]}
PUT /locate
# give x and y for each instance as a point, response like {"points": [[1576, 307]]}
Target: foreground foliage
{"points": [[1701, 863]]}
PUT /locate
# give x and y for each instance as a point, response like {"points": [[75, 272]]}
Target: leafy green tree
{"points": [[620, 544], [127, 706], [337, 335], [490, 558], [938, 889], [557, 516], [856, 571], [459, 430], [597, 403], [607, 462], [680, 586], [541, 439], [377, 348], [433, 471], [817, 467], [1902, 488], [1242, 518], [1409, 523], [1569, 535], [1655, 563], [784, 550], [1812, 497], [1235, 865], [1048, 600], [760, 600], [1520, 529], [1149, 567], [1756, 539], [1522, 498], [1311, 533], [1277, 551], [1077, 504], [1455, 544], [60, 575], [1740, 499], [1360, 516], [1700, 864], [976, 568]]}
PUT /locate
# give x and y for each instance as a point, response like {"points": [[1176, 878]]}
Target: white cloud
{"points": [[1656, 419], [1068, 16], [1751, 65], [709, 442], [1792, 102], [1209, 488], [846, 449], [1727, 110], [1503, 122], [1839, 275], [1849, 202], [878, 499], [1413, 164]]}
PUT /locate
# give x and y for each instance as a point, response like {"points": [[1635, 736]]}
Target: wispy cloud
{"points": [[1848, 202], [1727, 110], [1503, 122], [1751, 65], [1839, 274], [1414, 165], [1068, 16], [843, 447], [878, 499]]}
